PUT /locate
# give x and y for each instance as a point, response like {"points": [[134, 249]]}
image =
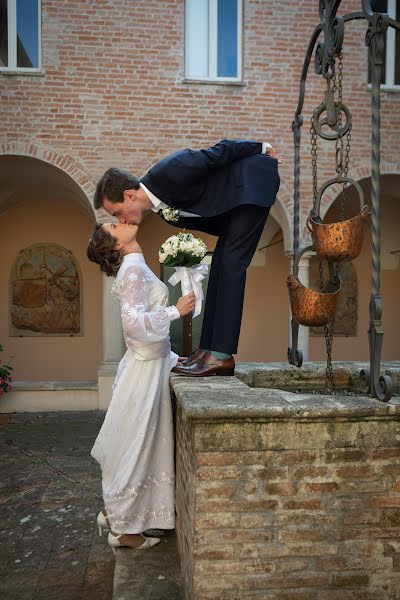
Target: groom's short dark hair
{"points": [[113, 184]]}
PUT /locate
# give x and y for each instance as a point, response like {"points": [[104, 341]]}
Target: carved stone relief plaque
{"points": [[45, 292]]}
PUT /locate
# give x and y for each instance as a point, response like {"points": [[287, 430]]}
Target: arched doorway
{"points": [[42, 206], [353, 344]]}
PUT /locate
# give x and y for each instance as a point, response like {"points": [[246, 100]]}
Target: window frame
{"points": [[390, 56], [213, 46], [12, 40], [391, 49]]}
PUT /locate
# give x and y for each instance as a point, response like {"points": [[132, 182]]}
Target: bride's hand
{"points": [[186, 304]]}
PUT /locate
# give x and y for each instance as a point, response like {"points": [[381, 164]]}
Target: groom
{"points": [[226, 190]]}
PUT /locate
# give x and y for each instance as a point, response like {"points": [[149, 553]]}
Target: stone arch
{"points": [[358, 173], [63, 162]]}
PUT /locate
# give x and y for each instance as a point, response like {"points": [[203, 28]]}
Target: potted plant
{"points": [[5, 376]]}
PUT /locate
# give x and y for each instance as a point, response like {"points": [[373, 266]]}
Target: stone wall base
{"points": [[47, 396], [284, 496]]}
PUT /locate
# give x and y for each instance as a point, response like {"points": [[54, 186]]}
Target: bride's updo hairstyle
{"points": [[101, 250]]}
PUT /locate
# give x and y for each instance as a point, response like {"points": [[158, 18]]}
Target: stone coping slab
{"points": [[311, 374], [226, 398]]}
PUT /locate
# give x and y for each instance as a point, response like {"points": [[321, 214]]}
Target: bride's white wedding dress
{"points": [[135, 446]]}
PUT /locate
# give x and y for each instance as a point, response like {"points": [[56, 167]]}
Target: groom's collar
{"points": [[156, 202]]}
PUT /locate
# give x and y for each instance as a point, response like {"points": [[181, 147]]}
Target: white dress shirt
{"points": [[159, 205]]}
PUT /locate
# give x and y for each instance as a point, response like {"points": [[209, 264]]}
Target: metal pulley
{"points": [[333, 110]]}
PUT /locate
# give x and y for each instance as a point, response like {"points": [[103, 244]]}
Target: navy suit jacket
{"points": [[213, 181]]}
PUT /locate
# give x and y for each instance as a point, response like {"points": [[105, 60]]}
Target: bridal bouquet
{"points": [[184, 252]]}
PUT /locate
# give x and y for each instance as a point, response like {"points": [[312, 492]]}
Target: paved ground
{"points": [[50, 493], [149, 575]]}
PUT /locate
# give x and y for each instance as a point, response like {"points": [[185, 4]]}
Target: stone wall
{"points": [[98, 89], [284, 496], [185, 500]]}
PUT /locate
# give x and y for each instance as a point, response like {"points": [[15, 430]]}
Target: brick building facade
{"points": [[111, 89]]}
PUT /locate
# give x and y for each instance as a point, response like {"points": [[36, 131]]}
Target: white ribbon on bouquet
{"points": [[191, 278]]}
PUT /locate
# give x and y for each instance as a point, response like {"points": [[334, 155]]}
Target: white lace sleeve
{"points": [[137, 321]]}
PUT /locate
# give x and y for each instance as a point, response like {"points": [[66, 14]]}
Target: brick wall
{"points": [[112, 92], [295, 499]]}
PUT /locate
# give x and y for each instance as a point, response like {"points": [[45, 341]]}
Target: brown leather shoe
{"points": [[207, 366], [194, 357]]}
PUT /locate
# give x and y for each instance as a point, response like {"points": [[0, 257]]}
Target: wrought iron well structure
{"points": [[333, 115]]}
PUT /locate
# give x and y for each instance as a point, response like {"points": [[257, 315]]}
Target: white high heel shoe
{"points": [[102, 522], [113, 541]]}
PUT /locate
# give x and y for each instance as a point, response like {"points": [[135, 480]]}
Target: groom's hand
{"points": [[186, 304], [273, 153]]}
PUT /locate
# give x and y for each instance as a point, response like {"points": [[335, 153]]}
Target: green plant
{"points": [[5, 376]]}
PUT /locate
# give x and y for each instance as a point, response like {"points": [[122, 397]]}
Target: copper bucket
{"points": [[342, 241], [309, 307]]}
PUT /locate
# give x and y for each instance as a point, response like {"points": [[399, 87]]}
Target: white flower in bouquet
{"points": [[184, 252]]}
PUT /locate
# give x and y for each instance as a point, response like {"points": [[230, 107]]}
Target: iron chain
{"points": [[342, 158], [329, 376]]}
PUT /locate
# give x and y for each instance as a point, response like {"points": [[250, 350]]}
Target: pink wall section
{"points": [[265, 312], [51, 358]]}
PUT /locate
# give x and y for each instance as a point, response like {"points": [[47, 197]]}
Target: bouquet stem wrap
{"points": [[191, 278]]}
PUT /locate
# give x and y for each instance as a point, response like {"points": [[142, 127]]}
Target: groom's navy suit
{"points": [[232, 187]]}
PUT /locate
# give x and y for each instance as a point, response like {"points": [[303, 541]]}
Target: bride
{"points": [[135, 447]]}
